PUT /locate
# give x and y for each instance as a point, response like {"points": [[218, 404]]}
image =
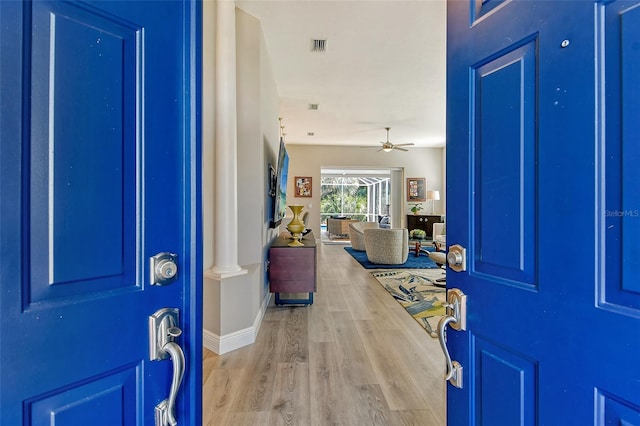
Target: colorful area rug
{"points": [[414, 289], [413, 262]]}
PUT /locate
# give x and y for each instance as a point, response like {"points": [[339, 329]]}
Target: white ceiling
{"points": [[356, 172], [384, 66]]}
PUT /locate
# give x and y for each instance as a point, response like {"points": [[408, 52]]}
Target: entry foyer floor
{"points": [[354, 357]]}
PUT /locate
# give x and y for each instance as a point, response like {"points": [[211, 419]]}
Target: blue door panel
{"points": [[48, 360], [615, 411], [621, 28], [504, 141], [106, 401], [630, 140], [99, 170], [480, 8], [552, 319], [82, 153], [501, 373]]}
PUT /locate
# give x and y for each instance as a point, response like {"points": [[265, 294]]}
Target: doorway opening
{"points": [[367, 195]]}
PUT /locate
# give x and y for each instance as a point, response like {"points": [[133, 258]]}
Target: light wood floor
{"points": [[354, 357]]}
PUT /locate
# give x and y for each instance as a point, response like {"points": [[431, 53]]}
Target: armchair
{"points": [[387, 246], [356, 233], [338, 226], [439, 232]]}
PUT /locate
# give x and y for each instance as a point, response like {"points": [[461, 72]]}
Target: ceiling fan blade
{"points": [[388, 146]]}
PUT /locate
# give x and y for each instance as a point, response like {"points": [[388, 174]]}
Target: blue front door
{"points": [[99, 172], [543, 149]]}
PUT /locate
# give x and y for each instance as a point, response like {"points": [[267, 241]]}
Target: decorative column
{"points": [[225, 222]]}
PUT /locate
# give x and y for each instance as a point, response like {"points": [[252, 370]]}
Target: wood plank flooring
{"points": [[354, 357]]}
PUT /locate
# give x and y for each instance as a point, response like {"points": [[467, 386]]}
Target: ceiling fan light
{"points": [[387, 149]]}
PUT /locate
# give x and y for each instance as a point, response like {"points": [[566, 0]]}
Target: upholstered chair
{"points": [[356, 233], [338, 226], [387, 246], [439, 232]]}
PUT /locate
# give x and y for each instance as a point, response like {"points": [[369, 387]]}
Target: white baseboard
{"points": [[238, 339]]}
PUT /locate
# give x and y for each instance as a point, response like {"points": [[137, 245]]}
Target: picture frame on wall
{"points": [[303, 186], [416, 189]]}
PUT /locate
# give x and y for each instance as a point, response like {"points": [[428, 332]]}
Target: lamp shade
{"points": [[433, 195]]}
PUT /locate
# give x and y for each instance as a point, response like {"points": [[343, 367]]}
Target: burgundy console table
{"points": [[293, 269]]}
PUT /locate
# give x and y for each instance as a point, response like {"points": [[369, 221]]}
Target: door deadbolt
{"points": [[457, 258], [163, 268]]}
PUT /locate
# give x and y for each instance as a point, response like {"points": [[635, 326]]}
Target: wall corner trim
{"points": [[238, 339], [216, 275]]}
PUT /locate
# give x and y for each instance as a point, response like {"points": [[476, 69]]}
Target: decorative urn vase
{"points": [[296, 226]]}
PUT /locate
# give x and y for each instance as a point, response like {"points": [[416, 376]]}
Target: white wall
{"points": [[208, 128], [250, 155], [443, 193], [210, 294], [233, 308], [308, 160]]}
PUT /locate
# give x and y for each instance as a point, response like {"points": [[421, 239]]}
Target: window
{"points": [[363, 198]]}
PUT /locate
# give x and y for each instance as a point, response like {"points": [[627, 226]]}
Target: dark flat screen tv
{"points": [[282, 172]]}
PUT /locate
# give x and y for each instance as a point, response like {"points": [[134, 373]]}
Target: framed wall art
{"points": [[416, 189], [302, 186]]}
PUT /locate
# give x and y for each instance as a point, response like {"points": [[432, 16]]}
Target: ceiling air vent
{"points": [[318, 45], [313, 107]]}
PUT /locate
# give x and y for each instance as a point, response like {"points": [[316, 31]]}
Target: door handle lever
{"points": [[163, 331], [177, 359], [453, 373], [457, 314]]}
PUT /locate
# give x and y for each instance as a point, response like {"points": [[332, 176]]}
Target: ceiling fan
{"points": [[388, 146]]}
